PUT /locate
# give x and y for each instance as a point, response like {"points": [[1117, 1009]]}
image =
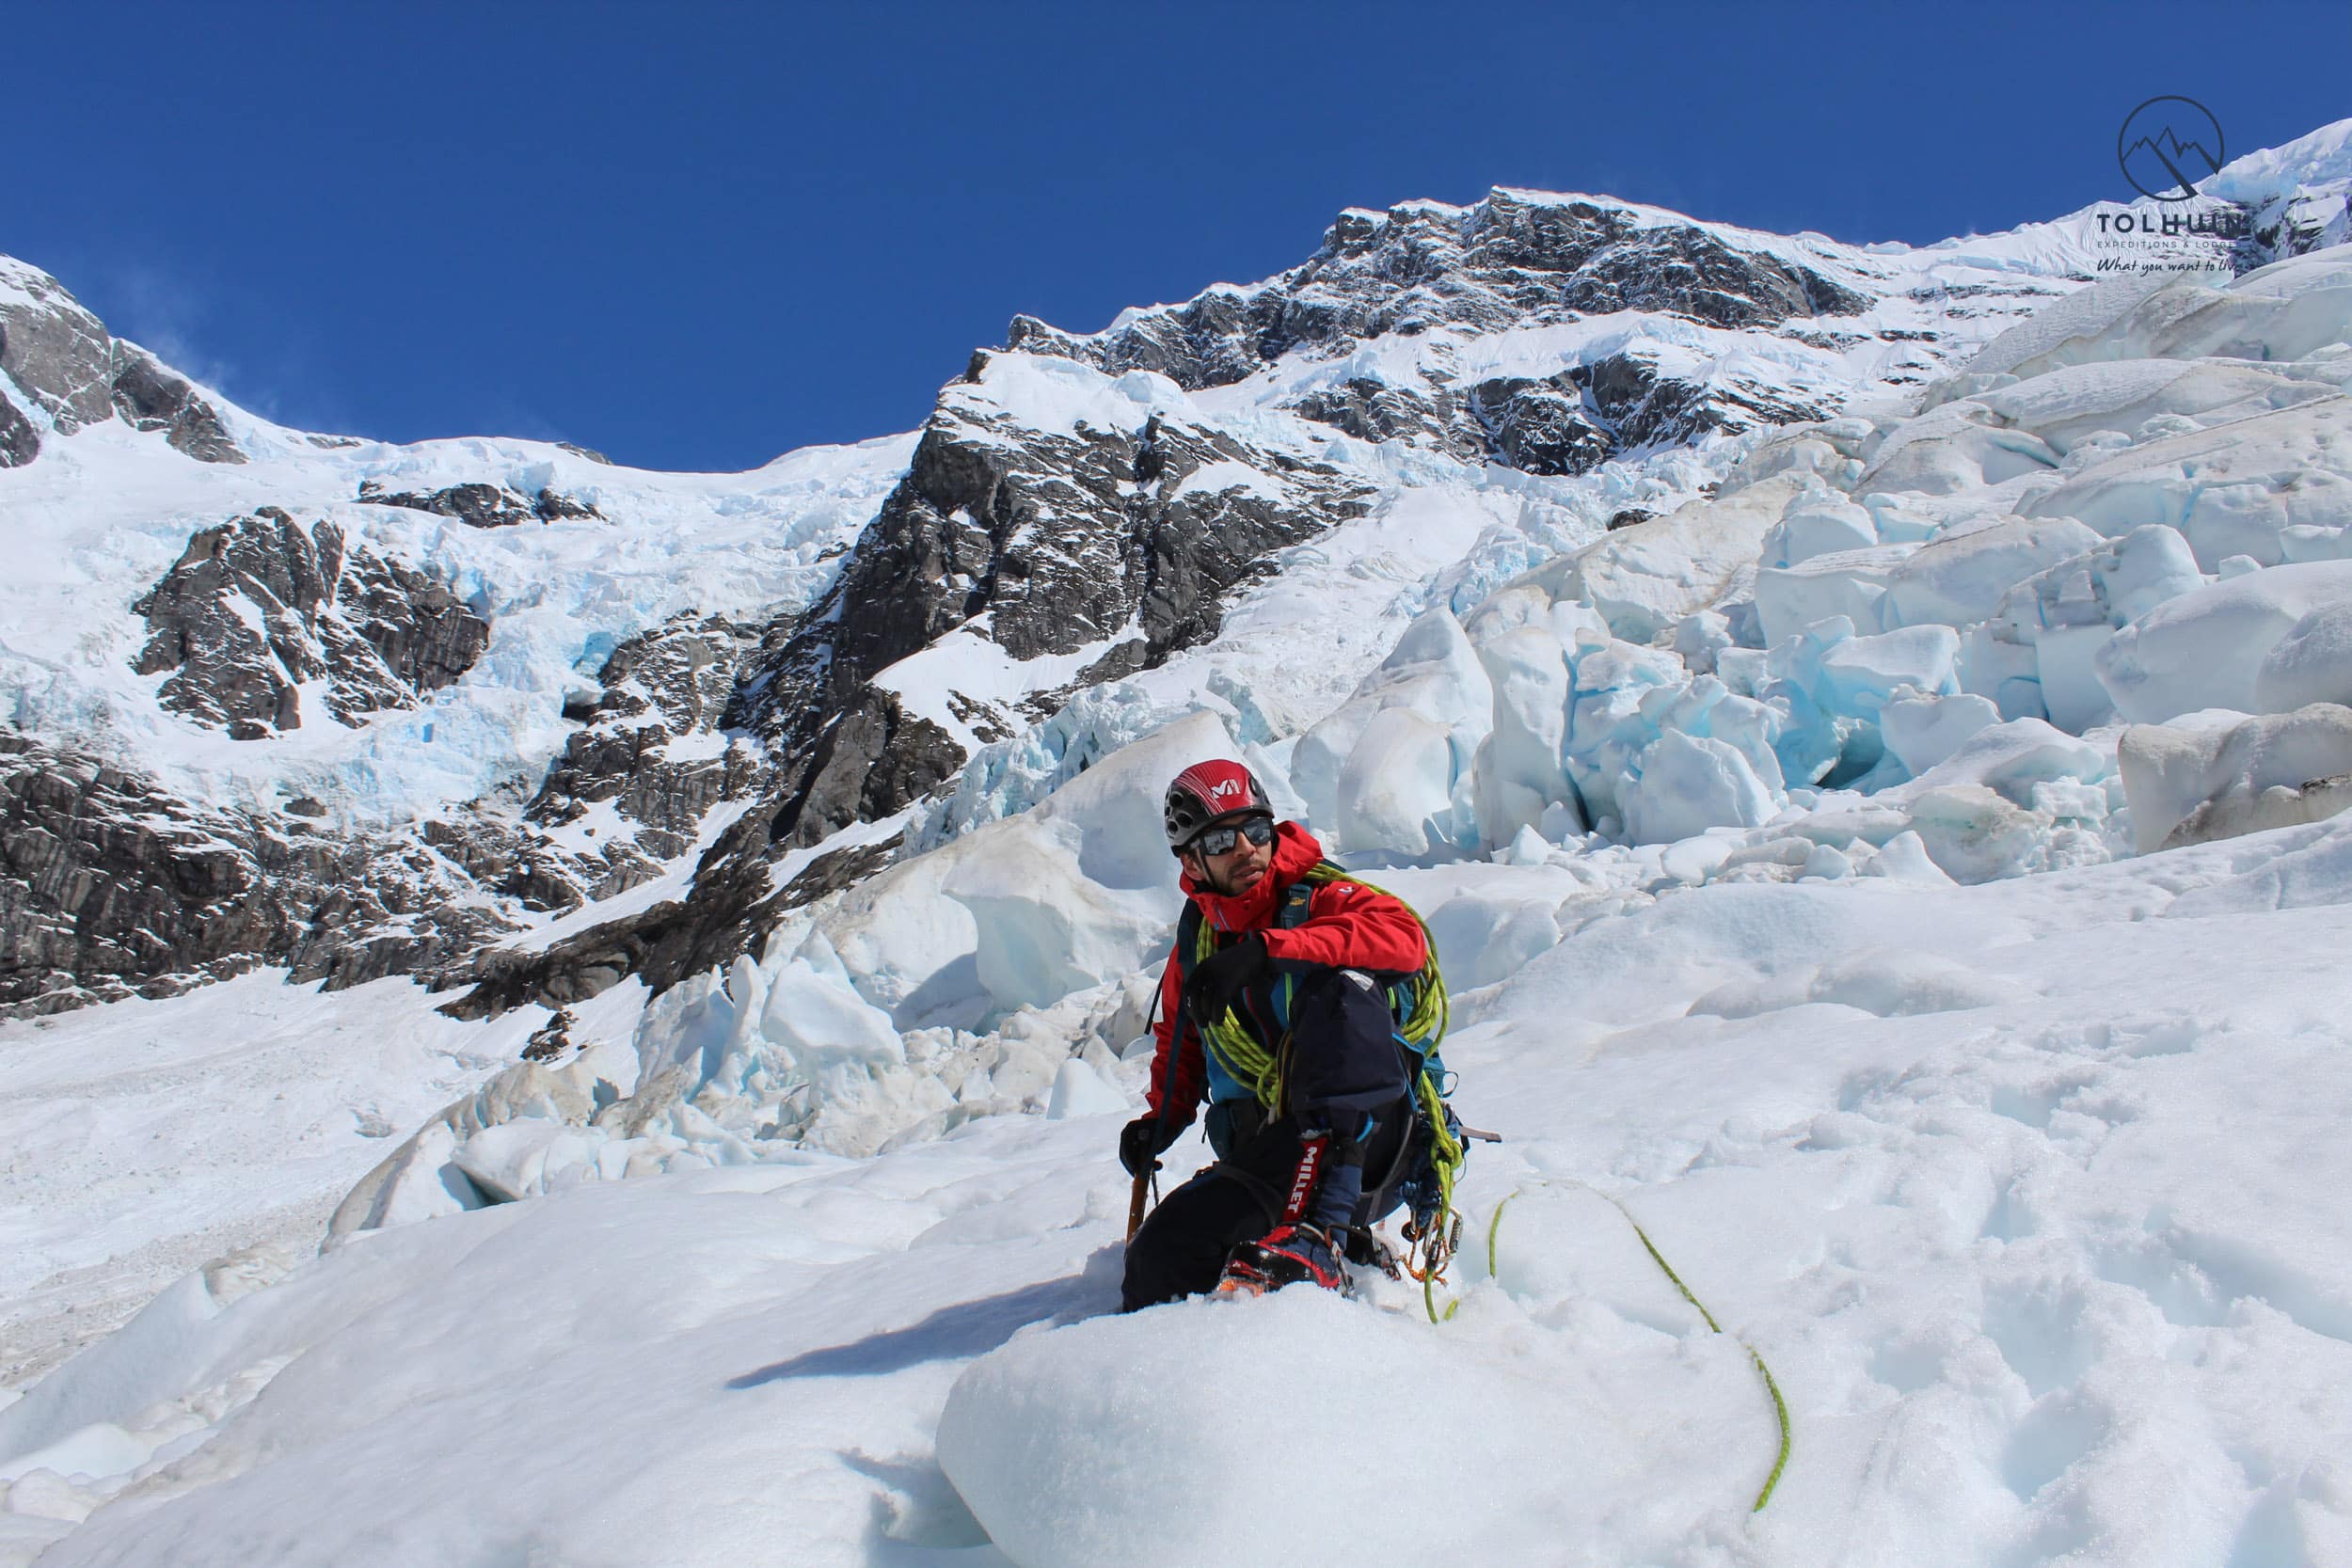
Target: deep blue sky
{"points": [[695, 237]]}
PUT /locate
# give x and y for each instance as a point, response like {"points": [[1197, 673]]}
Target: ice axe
{"points": [[1136, 1201], [1145, 1192], [1146, 1185]]}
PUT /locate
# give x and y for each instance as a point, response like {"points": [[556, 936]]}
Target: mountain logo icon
{"points": [[2167, 145]]}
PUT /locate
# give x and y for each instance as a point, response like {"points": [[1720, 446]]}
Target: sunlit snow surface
{"points": [[104, 514], [1805, 886], [2028, 1191]]}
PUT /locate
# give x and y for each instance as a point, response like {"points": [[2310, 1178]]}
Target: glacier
{"points": [[1889, 856]]}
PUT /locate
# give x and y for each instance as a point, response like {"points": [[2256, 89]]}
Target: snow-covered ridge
{"points": [[1904, 648]]}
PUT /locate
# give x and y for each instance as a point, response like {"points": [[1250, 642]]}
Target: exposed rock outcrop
{"points": [[653, 751], [1541, 427], [150, 397], [260, 605], [1641, 405], [1039, 543], [1512, 259], [65, 360], [1043, 541], [20, 443], [480, 505], [117, 887]]}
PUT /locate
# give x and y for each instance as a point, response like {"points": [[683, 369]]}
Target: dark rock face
{"points": [[480, 505], [1042, 543], [1541, 427], [1644, 408], [114, 887], [652, 749], [1041, 535], [56, 351], [63, 358], [20, 443], [258, 606], [1509, 261], [152, 398], [1371, 410], [1689, 272]]}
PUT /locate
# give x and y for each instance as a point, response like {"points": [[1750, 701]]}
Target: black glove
{"points": [[1142, 1141], [1224, 976]]}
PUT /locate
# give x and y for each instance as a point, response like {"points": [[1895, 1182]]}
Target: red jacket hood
{"points": [[1296, 849]]}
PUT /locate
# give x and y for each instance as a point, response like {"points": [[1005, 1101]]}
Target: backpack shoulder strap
{"points": [[1187, 940]]}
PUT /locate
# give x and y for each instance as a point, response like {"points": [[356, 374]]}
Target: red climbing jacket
{"points": [[1347, 926]]}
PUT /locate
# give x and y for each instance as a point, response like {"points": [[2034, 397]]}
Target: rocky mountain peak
{"points": [[60, 361], [1078, 511], [1517, 259]]}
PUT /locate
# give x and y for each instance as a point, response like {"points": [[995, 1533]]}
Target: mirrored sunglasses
{"points": [[1220, 840]]}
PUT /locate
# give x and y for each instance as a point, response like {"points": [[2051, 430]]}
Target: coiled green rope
{"points": [[1252, 1064]]}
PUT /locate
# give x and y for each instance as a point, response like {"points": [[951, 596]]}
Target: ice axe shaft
{"points": [[1136, 1201]]}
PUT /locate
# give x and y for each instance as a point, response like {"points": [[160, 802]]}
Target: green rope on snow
{"points": [[1771, 1384], [1780, 1408], [1494, 1228], [1651, 1247]]}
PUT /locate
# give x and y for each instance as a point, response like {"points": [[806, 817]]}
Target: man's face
{"points": [[1238, 869]]}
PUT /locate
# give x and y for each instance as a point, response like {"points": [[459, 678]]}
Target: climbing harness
{"points": [[1772, 1386]]}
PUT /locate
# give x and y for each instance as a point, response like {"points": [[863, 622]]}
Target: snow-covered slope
{"points": [[2023, 1191], [1863, 743]]}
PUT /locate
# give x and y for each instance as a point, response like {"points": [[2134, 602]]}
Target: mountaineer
{"points": [[1285, 1000]]}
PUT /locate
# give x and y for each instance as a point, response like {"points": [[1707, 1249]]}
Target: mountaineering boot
{"points": [[1299, 1247], [1287, 1255]]}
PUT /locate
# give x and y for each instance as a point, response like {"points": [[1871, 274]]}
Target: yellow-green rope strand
{"points": [[1651, 1247], [1236, 1052], [1494, 1228], [1771, 1384], [1780, 1408]]}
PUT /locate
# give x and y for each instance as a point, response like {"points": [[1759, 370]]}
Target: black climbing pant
{"points": [[1345, 1079]]}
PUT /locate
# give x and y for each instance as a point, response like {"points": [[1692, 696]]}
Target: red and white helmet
{"points": [[1207, 791]]}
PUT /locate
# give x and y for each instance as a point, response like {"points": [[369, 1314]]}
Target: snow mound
{"points": [[2209, 648], [2213, 778], [1103, 1442]]}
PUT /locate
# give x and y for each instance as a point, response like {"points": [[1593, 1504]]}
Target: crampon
{"points": [[1287, 1255]]}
